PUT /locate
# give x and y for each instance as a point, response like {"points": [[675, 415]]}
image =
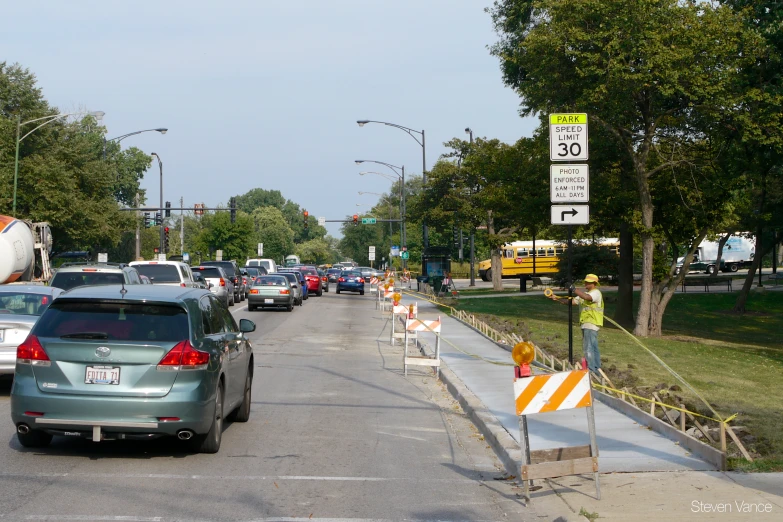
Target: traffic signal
{"points": [[455, 232], [168, 209], [158, 219], [147, 220], [355, 219], [166, 239], [306, 215], [233, 203]]}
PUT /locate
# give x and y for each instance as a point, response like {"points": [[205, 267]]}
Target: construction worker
{"points": [[591, 318]]}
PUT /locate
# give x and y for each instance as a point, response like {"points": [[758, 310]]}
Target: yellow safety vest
{"points": [[590, 312]]}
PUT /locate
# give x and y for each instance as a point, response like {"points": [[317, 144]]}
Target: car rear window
{"points": [[208, 272], [68, 280], [352, 273], [291, 277], [22, 303], [109, 320], [271, 281], [334, 271], [227, 266], [160, 273], [308, 271]]}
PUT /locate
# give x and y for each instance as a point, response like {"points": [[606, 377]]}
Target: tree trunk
{"points": [[648, 250], [495, 253], [742, 298], [623, 314], [721, 244]]}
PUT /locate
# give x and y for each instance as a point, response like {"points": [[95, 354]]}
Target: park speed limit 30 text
{"points": [[568, 137]]}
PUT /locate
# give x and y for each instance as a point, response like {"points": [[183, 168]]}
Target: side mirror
{"points": [[209, 285], [246, 326]]}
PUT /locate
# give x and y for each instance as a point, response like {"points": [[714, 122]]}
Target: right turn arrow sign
{"points": [[570, 214]]}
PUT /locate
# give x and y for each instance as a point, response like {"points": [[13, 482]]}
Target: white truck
{"points": [[18, 242], [737, 253]]}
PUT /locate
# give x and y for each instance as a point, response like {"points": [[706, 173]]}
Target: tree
{"points": [[654, 75], [258, 197], [234, 239], [273, 231]]}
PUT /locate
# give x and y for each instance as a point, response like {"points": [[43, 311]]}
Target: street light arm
{"points": [[120, 138], [408, 130], [50, 120], [395, 168], [383, 174]]}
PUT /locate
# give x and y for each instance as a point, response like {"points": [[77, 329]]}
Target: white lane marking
{"points": [[120, 518], [401, 436], [167, 476], [239, 309], [409, 428]]}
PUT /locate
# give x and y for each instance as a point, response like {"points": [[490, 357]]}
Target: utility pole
{"points": [[138, 232], [181, 226], [472, 232]]}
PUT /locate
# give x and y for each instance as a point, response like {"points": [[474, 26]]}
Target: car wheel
{"points": [[290, 307], [210, 443], [337, 291], [320, 293], [733, 267], [242, 413], [34, 439], [251, 308], [361, 293], [712, 270]]}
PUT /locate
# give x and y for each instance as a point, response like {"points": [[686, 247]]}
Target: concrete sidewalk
{"points": [[624, 445]]}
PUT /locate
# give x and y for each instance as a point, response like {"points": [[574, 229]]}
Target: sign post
{"points": [[569, 184]]}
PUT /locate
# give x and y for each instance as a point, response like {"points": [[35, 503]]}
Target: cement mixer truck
{"points": [[19, 241]]}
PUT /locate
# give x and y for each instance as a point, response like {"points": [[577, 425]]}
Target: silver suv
{"points": [[71, 275]]}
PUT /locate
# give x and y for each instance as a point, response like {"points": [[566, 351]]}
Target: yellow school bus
{"points": [[518, 257]]}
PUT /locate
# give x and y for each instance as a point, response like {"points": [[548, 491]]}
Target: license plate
{"points": [[102, 375], [269, 301]]}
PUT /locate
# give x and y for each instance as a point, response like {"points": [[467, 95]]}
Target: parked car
{"points": [[20, 308], [218, 282], [302, 280], [296, 289], [172, 273], [271, 291], [71, 275], [232, 271], [350, 281], [333, 274], [150, 361], [324, 280]]}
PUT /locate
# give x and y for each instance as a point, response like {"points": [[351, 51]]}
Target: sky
{"points": [[267, 94]]}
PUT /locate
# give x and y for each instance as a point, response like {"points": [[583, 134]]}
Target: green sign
{"points": [[404, 255], [368, 221]]}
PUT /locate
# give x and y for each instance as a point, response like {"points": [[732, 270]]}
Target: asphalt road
{"points": [[336, 433]]}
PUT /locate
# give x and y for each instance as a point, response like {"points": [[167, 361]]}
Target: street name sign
{"points": [[568, 137], [569, 183], [368, 221], [570, 214]]}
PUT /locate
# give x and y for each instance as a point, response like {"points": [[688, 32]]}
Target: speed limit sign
{"points": [[568, 137]]}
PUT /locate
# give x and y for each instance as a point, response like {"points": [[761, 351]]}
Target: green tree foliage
{"points": [[315, 251], [258, 197], [234, 239], [271, 229], [587, 258], [63, 177], [654, 75]]}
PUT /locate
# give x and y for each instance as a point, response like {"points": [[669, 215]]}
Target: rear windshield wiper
{"points": [[86, 335]]}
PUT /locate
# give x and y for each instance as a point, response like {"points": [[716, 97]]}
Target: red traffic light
{"points": [[306, 213], [166, 230], [355, 218]]}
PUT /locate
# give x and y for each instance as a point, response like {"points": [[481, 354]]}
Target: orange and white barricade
{"points": [[386, 297], [419, 356], [402, 313], [373, 284], [537, 394]]}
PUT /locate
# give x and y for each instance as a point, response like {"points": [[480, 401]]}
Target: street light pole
{"points": [[401, 178], [120, 138], [49, 119], [160, 167], [472, 232], [422, 142]]}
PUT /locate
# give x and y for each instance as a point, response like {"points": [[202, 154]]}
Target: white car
{"points": [[268, 264], [171, 273]]}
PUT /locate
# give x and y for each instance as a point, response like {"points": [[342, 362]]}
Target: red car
{"points": [[313, 279]]}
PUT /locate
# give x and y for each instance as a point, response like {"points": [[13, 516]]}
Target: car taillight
{"points": [[254, 291], [244, 280], [341, 280], [184, 357], [182, 284], [285, 292], [323, 278], [31, 352], [222, 282], [360, 280]]}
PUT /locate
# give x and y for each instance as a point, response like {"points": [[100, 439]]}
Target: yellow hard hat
{"points": [[591, 278]]}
